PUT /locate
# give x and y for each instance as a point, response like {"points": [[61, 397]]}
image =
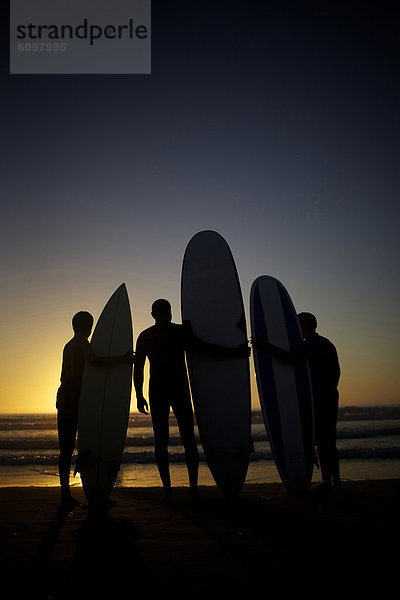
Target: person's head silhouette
{"points": [[308, 324], [161, 311], [82, 323]]}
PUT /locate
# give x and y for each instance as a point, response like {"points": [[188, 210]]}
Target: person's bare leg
{"points": [[161, 438], [184, 416]]}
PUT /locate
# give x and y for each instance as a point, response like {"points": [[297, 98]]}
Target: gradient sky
{"points": [[274, 123]]}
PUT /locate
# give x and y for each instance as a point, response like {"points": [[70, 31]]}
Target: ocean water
{"points": [[368, 444]]}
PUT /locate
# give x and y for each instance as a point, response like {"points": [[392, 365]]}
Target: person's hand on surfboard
{"points": [[259, 342], [129, 357], [244, 350]]}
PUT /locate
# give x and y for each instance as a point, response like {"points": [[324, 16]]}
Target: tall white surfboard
{"points": [[284, 387], [105, 401], [212, 303]]}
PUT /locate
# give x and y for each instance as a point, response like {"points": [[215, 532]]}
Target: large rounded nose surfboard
{"points": [[212, 302], [105, 401], [284, 387]]}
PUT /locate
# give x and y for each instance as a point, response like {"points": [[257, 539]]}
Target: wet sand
{"points": [[319, 543]]}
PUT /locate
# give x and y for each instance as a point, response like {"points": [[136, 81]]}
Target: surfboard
{"points": [[284, 388], [105, 401], [211, 301]]}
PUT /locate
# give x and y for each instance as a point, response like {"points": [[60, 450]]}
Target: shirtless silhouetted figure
{"points": [[164, 344], [325, 373], [76, 352]]}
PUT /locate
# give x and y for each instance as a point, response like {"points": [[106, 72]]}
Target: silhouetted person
{"points": [[164, 344], [76, 353], [325, 373]]}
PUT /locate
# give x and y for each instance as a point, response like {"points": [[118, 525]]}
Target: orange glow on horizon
{"points": [[33, 337], [31, 388]]}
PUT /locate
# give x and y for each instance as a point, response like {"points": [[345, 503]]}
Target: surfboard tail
{"points": [[228, 466]]}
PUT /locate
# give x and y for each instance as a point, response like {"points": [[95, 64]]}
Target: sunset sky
{"points": [[274, 123]]}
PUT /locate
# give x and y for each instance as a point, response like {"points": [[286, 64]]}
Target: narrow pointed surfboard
{"points": [[105, 401], [212, 302], [284, 388]]}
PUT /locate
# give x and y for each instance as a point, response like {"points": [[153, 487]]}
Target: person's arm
{"points": [[337, 374], [334, 367], [140, 359], [287, 356], [105, 361], [192, 341]]}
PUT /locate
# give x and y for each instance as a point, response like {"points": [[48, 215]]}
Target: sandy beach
{"points": [[341, 542]]}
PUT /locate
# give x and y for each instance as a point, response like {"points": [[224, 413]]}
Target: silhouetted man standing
{"points": [[325, 373], [76, 353], [164, 344]]}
